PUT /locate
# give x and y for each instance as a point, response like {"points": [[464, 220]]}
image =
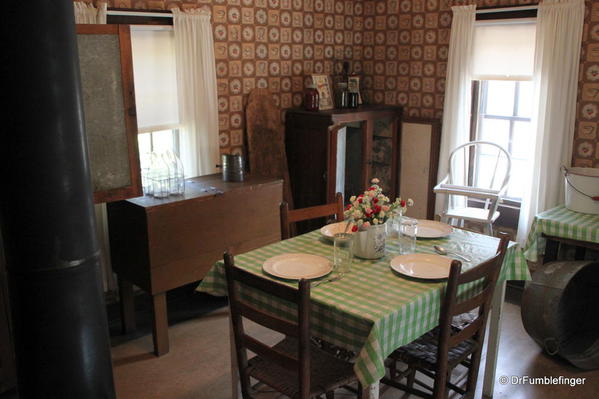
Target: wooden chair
{"points": [[437, 353], [294, 367], [298, 215]]}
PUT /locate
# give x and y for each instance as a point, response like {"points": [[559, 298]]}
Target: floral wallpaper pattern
{"points": [[399, 47]]}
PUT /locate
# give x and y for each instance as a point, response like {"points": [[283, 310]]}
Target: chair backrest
{"points": [[491, 165], [485, 276], [320, 211], [300, 330]]}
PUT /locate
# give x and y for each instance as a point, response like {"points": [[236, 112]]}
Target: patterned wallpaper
{"points": [[399, 47]]}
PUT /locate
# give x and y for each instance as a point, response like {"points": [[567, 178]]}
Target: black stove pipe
{"points": [[46, 211]]}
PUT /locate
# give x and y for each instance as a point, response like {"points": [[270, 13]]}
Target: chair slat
{"points": [[271, 354], [272, 322], [313, 212], [471, 303], [495, 169], [289, 217], [467, 332], [246, 278]]}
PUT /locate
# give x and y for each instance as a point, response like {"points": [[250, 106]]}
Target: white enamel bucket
{"points": [[582, 189]]}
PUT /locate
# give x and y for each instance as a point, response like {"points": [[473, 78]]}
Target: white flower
{"points": [[352, 198], [375, 221], [382, 214], [410, 202], [357, 214], [375, 181]]}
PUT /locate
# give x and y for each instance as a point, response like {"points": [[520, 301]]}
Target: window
{"points": [[503, 116], [155, 90], [503, 64], [158, 141]]}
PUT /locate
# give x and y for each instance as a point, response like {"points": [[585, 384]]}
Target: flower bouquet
{"points": [[369, 212]]}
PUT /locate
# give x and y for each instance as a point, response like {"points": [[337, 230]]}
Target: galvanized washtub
{"points": [[560, 308]]}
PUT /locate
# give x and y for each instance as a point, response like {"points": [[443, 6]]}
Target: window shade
{"points": [[155, 78], [504, 50]]}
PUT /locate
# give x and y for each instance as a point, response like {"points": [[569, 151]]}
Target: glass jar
{"points": [[311, 98]]}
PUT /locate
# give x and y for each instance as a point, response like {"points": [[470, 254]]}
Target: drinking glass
{"points": [[408, 228], [343, 252]]}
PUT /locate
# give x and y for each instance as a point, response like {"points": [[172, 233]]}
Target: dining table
{"points": [[374, 310], [560, 225]]}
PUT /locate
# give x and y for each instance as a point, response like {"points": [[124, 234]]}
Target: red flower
{"points": [[403, 203], [371, 188], [354, 228], [377, 209], [348, 207], [375, 200], [360, 200]]}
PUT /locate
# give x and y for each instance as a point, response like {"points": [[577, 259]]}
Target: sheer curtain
{"points": [[557, 57], [196, 78], [456, 110], [88, 14]]}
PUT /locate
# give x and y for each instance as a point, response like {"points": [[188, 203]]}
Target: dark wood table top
{"points": [[202, 187]]}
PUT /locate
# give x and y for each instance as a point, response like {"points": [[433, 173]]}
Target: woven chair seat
{"points": [[326, 371], [422, 353]]}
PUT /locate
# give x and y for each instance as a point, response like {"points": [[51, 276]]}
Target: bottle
{"points": [[352, 99], [311, 98], [159, 176], [342, 95]]}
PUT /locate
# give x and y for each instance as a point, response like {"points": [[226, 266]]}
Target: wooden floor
{"points": [[198, 364]]}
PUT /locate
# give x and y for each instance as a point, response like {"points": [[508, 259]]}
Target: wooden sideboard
{"points": [[316, 154], [161, 244]]}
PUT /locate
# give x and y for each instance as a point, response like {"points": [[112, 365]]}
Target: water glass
{"points": [[408, 228], [343, 252]]}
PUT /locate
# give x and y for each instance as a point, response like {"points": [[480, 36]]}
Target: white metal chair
{"points": [[477, 170]]}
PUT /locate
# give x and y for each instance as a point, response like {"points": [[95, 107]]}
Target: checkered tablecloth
{"points": [[372, 310], [560, 222]]}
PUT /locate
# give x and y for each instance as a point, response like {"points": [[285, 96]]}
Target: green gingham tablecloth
{"points": [[560, 222], [371, 310]]}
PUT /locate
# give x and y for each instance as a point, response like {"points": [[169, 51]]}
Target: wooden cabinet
{"points": [[161, 244], [316, 150]]}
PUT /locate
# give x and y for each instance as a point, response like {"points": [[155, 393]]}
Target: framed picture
{"points": [[323, 85], [353, 84]]}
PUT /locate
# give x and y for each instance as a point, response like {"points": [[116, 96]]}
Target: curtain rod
{"points": [[505, 9], [159, 14]]}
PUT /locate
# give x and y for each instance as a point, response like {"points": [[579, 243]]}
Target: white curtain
{"points": [[196, 78], [88, 14], [456, 110], [557, 58]]}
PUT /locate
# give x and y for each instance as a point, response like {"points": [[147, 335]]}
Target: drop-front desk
{"points": [[161, 244]]}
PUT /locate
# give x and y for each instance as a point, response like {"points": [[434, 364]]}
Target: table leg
{"points": [[493, 343], [160, 326], [551, 250], [127, 304], [371, 391]]}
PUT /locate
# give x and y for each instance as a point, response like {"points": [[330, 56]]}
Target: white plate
{"points": [[432, 229], [328, 231], [297, 266], [427, 266]]}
